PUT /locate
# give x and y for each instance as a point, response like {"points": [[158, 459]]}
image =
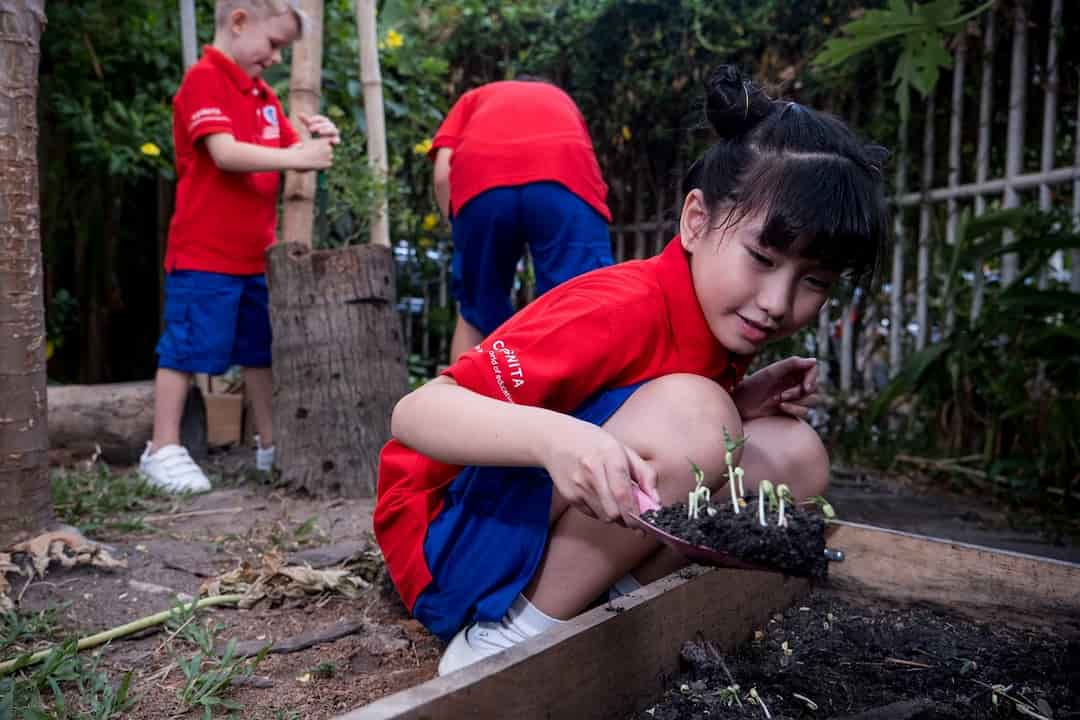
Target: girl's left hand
{"points": [[322, 126], [786, 387]]}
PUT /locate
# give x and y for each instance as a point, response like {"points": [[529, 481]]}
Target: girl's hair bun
{"points": [[734, 104]]}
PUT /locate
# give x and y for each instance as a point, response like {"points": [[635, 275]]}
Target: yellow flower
{"points": [[431, 220], [626, 133], [50, 349], [422, 148], [394, 40], [425, 242], [150, 149]]}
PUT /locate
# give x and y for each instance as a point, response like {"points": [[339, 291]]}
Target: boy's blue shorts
{"points": [[214, 321], [485, 545], [565, 235]]}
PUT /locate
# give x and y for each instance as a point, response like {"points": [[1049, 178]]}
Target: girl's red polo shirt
{"points": [[224, 221], [606, 329], [513, 133]]}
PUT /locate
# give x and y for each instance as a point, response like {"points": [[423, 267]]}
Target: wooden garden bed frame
{"points": [[614, 660]]}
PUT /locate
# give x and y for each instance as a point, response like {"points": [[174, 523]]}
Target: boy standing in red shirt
{"points": [[232, 141]]}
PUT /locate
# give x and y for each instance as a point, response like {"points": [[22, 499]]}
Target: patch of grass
{"points": [[19, 632], [64, 686], [208, 678], [97, 499]]}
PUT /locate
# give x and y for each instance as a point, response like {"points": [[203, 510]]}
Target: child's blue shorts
{"points": [[565, 235], [214, 321], [486, 544]]}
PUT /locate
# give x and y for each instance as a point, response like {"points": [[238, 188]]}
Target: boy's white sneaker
{"points": [[264, 457], [172, 469]]}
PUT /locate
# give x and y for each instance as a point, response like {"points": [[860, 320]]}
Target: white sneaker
{"points": [[172, 469], [264, 457], [481, 639]]}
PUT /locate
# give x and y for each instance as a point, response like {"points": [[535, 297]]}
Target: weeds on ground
{"points": [[64, 686], [96, 499], [207, 677], [20, 631]]}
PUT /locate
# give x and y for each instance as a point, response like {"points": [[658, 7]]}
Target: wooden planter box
{"points": [[612, 661]]}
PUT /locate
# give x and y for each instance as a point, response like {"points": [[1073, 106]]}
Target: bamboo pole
{"points": [[1014, 147], [922, 311], [305, 89], [117, 632], [823, 344], [896, 294], [982, 153], [1074, 280], [990, 187], [188, 37], [956, 124], [1049, 129], [371, 80]]}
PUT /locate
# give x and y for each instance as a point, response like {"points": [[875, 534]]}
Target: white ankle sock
{"points": [[623, 586], [528, 619]]}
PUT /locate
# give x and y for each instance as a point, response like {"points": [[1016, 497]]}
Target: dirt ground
{"points": [[200, 537], [203, 536]]}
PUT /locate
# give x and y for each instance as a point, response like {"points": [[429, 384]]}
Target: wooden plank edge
{"points": [[917, 568], [607, 662]]}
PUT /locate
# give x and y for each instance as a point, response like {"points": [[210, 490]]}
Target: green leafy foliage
{"points": [[1003, 385], [920, 30]]}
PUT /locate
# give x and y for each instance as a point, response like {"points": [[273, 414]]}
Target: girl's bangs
{"points": [[822, 207]]}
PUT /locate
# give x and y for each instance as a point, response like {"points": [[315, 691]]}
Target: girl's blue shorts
{"points": [[565, 235], [486, 544], [214, 321]]}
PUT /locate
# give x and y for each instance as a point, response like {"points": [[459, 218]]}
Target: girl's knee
{"points": [[807, 460], [691, 414]]}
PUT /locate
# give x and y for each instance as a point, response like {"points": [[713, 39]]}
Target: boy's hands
{"points": [[314, 154], [596, 472], [786, 387], [321, 126]]}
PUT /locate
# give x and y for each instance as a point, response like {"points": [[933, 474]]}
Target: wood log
{"points": [[118, 417], [339, 364]]}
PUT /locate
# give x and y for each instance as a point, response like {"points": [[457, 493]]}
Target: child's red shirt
{"points": [[513, 133], [223, 221], [606, 329]]}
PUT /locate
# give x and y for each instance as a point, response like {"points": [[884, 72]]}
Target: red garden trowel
{"points": [[697, 553]]}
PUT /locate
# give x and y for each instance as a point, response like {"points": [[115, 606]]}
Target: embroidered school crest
{"points": [[271, 131]]}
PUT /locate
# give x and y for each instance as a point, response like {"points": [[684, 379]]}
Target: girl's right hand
{"points": [[595, 472]]}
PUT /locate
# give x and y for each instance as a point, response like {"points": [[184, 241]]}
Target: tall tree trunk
{"points": [[24, 480], [339, 364]]}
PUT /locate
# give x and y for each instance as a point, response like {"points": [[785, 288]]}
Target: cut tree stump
{"points": [[339, 364], [118, 418]]}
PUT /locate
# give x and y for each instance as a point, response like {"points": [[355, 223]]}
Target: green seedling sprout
{"points": [[764, 488], [754, 695], [730, 446], [783, 492], [824, 505], [698, 494]]}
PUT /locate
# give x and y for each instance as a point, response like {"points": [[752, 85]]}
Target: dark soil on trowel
{"points": [[861, 659], [798, 548]]}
